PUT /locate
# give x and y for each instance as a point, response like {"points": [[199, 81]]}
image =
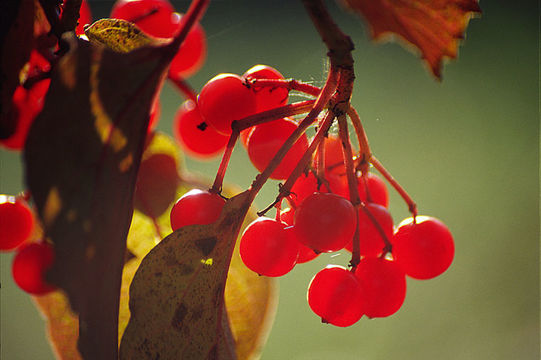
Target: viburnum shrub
{"points": [[107, 188]]}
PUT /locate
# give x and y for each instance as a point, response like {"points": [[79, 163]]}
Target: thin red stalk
{"points": [[193, 14], [183, 87], [364, 147], [238, 126], [218, 181], [288, 84], [285, 189], [322, 100], [409, 201], [297, 108], [320, 165], [352, 184], [388, 246]]}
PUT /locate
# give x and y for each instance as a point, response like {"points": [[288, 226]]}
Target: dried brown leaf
{"points": [[432, 26]]}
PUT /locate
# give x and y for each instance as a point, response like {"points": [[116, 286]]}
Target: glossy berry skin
{"points": [[372, 243], [325, 222], [223, 99], [335, 295], [29, 267], [191, 54], [424, 249], [85, 17], [267, 97], [266, 139], [266, 248], [196, 207], [376, 188], [383, 284], [155, 17], [305, 253], [195, 135], [334, 155], [16, 222]]}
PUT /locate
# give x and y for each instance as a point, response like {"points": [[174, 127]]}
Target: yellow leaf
{"points": [[120, 36]]}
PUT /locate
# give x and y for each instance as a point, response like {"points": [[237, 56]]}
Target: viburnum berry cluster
{"points": [[335, 201]]}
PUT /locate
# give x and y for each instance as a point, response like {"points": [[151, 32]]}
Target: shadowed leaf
{"points": [[82, 177], [432, 26], [177, 294], [120, 35]]}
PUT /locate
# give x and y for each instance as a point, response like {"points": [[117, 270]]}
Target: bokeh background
{"points": [[465, 148]]}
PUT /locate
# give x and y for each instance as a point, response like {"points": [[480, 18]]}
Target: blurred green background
{"points": [[466, 149]]}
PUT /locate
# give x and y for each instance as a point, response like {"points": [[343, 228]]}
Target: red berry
{"points": [[155, 17], [26, 105], [335, 295], [376, 188], [157, 183], [424, 249], [191, 54], [334, 155], [30, 265], [194, 134], [267, 249], [16, 222], [383, 284], [372, 243], [225, 98], [325, 222], [267, 97], [305, 253], [196, 207], [85, 17], [266, 139]]}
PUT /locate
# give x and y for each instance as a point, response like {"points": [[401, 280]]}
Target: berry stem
{"points": [[364, 148], [352, 184], [321, 101], [183, 87], [412, 207], [297, 108], [285, 189], [195, 12], [218, 181], [388, 246], [291, 84], [239, 125]]}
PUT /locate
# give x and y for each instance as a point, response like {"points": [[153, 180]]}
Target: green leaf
{"points": [[177, 294], [82, 176]]}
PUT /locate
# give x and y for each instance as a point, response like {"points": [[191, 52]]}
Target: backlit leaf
{"points": [[432, 26], [120, 35], [177, 294], [82, 175]]}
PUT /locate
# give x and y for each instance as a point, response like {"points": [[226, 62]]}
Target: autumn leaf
{"points": [[432, 26], [120, 35], [177, 294], [82, 177]]}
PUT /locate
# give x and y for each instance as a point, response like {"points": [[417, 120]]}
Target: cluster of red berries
{"points": [[203, 128], [322, 218], [32, 259]]}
